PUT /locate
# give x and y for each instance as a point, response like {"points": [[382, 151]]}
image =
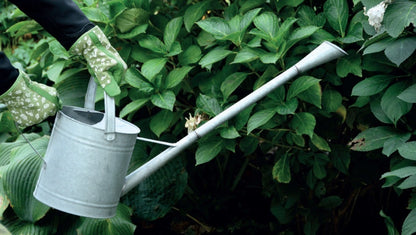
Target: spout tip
{"points": [[339, 49]]}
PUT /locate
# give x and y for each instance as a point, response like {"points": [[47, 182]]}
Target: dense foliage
{"points": [[306, 159]]}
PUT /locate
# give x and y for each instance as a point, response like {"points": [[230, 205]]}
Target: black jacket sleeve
{"points": [[61, 18]]}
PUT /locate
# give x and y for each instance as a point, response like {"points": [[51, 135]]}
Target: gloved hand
{"points": [[30, 102], [103, 60]]}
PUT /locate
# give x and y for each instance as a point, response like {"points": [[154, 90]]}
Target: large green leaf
{"points": [[281, 169], [392, 144], [194, 13], [161, 121], [288, 107], [313, 95], [336, 12], [409, 94], [408, 150], [120, 224], [401, 172], [231, 83], [409, 224], [176, 76], [152, 67], [131, 18], [191, 55], [373, 138], [18, 226], [320, 143], [399, 14], [133, 107], [171, 31], [260, 118], [300, 85], [267, 26], [392, 106], [331, 100], [216, 26], [303, 123], [208, 150], [164, 100], [372, 85], [401, 49], [135, 79], [349, 64], [208, 104], [307, 16], [20, 177], [214, 55], [153, 43]]}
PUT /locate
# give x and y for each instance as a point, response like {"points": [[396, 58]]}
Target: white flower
{"points": [[193, 122], [376, 14]]}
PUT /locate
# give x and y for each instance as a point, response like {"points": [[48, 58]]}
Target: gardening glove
{"points": [[30, 102], [103, 60]]}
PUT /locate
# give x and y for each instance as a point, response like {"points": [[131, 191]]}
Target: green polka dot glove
{"points": [[103, 60], [30, 102]]}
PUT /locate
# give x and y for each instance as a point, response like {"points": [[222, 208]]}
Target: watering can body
{"points": [[84, 170]]}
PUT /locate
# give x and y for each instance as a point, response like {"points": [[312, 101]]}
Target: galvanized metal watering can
{"points": [[85, 165]]}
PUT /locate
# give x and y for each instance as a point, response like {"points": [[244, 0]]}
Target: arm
{"points": [[61, 18]]}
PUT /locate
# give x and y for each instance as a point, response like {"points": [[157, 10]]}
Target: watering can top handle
{"points": [[110, 110]]}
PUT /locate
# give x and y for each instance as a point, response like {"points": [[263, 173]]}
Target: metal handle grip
{"points": [[110, 110]]}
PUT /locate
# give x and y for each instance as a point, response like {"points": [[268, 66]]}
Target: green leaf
{"points": [[208, 104], [229, 133], [58, 50], [216, 26], [215, 55], [20, 177], [300, 85], [134, 32], [392, 144], [391, 229], [117, 225], [153, 43], [176, 76], [133, 107], [288, 107], [303, 123], [194, 13], [301, 33], [372, 85], [392, 106], [313, 95], [401, 49], [373, 138], [267, 26], [260, 118], [409, 94], [399, 14], [307, 16], [161, 121], [409, 182], [297, 139], [164, 100], [245, 55], [409, 224], [23, 27], [130, 18], [281, 170], [55, 70], [208, 150], [171, 31], [336, 12], [330, 202], [231, 83], [152, 67], [319, 166], [408, 150], [378, 112], [401, 172], [320, 143], [349, 64], [191, 55], [135, 79], [331, 100], [95, 14], [378, 46]]}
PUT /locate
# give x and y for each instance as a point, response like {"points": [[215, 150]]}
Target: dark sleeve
{"points": [[61, 18]]}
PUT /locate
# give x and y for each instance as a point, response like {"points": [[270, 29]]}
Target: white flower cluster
{"points": [[376, 14]]}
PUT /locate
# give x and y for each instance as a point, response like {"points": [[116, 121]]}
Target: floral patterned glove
{"points": [[103, 60], [30, 102]]}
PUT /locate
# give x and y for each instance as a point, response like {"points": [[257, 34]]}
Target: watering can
{"points": [[85, 165]]}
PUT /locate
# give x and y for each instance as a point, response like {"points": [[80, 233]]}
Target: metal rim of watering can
{"points": [[110, 110]]}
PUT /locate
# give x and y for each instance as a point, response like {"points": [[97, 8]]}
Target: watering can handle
{"points": [[110, 112]]}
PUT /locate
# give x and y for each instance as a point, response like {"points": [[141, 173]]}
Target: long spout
{"points": [[320, 55]]}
